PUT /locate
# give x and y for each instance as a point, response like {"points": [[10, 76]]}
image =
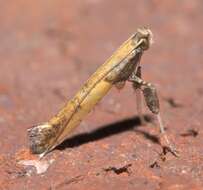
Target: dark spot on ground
{"points": [[120, 170], [190, 133], [173, 103]]}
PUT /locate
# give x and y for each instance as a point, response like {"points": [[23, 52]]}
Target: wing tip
{"points": [[40, 137]]}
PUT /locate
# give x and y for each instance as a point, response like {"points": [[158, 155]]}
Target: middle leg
{"points": [[138, 94]]}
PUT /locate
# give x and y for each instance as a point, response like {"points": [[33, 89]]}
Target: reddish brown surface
{"points": [[47, 50]]}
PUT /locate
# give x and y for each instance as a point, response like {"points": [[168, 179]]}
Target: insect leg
{"points": [[138, 94], [151, 98]]}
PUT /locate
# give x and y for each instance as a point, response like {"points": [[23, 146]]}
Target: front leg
{"points": [[152, 101]]}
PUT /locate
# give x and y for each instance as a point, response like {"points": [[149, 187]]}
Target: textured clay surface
{"points": [[49, 48]]}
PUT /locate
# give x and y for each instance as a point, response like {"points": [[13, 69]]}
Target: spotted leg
{"points": [[151, 98]]}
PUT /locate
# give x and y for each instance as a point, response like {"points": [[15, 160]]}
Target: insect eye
{"points": [[144, 43]]}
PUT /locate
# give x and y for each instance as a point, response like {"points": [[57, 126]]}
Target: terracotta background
{"points": [[49, 48]]}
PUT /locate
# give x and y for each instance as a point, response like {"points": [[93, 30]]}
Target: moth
{"points": [[122, 66]]}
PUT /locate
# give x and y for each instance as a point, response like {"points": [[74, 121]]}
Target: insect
{"points": [[122, 66]]}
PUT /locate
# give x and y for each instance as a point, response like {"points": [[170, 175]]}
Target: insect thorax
{"points": [[123, 70]]}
